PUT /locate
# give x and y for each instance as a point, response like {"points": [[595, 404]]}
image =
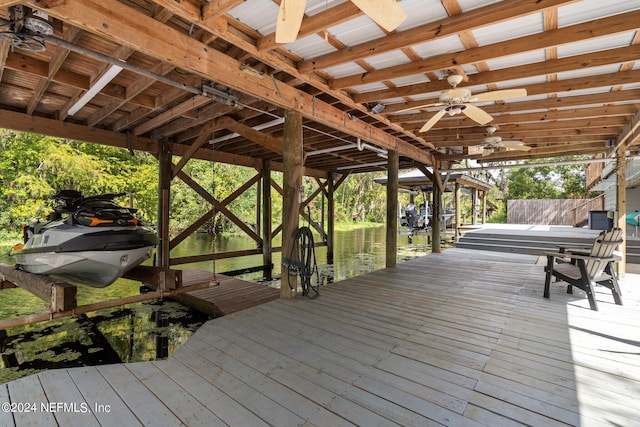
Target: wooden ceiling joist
{"points": [[128, 27]]}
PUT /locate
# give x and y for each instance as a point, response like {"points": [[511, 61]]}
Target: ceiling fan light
{"points": [[454, 110], [454, 79]]}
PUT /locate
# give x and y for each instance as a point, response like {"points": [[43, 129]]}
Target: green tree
{"points": [[547, 182]]}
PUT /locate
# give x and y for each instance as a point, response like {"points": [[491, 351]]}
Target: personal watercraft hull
{"points": [[91, 255], [94, 268]]}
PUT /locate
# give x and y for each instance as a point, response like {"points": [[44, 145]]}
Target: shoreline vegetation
{"points": [[7, 240]]}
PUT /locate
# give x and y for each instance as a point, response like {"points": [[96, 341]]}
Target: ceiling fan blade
{"points": [[386, 13], [476, 114], [474, 150], [515, 145], [289, 20], [500, 94], [420, 107], [432, 121]]}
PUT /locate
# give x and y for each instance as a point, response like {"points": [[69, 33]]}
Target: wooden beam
{"points": [[60, 295], [569, 101], [315, 24], [267, 141], [205, 134], [9, 3], [458, 211], [621, 205], [36, 67], [267, 212], [124, 25], [331, 189], [602, 27], [391, 242], [155, 277], [172, 113], [603, 112], [292, 180], [436, 215], [26, 123], [215, 9], [43, 317], [219, 206], [446, 27], [577, 62], [164, 204], [4, 52]]}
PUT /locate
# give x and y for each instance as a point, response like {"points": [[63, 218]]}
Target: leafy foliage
{"points": [[34, 167]]}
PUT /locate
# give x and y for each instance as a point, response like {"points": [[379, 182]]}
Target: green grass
{"points": [[346, 226]]}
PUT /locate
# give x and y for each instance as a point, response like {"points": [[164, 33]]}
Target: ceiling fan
{"points": [[25, 29], [492, 143], [386, 13], [458, 100]]}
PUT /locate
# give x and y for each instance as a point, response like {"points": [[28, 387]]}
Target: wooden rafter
{"points": [[432, 31], [128, 27]]}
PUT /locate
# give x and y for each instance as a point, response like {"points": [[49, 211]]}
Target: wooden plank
{"points": [[27, 394], [60, 388], [143, 403], [97, 391], [6, 419], [231, 376], [229, 296], [60, 295], [155, 276], [213, 398], [184, 406]]}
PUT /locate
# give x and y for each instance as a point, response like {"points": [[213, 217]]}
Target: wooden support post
{"points": [[60, 295], [436, 217], [484, 207], [456, 230], [292, 180], [164, 193], [392, 209], [330, 217], [156, 277], [258, 226], [474, 206], [621, 204], [266, 220]]}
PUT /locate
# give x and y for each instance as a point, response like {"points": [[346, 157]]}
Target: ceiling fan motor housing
{"points": [[455, 96]]}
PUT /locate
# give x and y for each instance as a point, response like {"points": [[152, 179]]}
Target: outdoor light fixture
{"points": [[276, 122], [109, 75], [377, 109]]}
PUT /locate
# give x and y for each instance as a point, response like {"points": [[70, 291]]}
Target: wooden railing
{"points": [[580, 212]]}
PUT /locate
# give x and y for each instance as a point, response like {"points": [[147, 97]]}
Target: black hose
{"points": [[305, 262]]}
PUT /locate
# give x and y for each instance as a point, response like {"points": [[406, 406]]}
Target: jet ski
{"points": [[91, 240]]}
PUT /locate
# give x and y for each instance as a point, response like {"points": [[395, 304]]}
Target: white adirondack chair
{"points": [[586, 268]]}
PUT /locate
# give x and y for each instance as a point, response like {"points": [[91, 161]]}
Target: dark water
{"points": [[153, 330]]}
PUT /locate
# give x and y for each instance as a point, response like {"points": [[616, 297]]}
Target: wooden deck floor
{"points": [[462, 338], [229, 296]]}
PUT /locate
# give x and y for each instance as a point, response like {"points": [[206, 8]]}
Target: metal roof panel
{"points": [[596, 44], [356, 31], [511, 29], [587, 10], [516, 60], [310, 47], [439, 47], [420, 12], [344, 70]]}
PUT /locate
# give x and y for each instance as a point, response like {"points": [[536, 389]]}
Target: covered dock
{"points": [[393, 347]]}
